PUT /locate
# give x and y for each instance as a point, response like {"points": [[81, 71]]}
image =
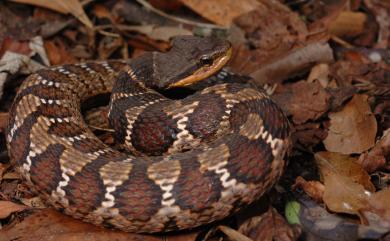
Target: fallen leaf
{"points": [[12, 63], [343, 192], [343, 195], [304, 101], [164, 33], [7, 207], [11, 176], [313, 189], [382, 14], [57, 52], [353, 129], [348, 23], [308, 134], [3, 120], [269, 226], [34, 202], [73, 7], [378, 212], [47, 224], [3, 169], [376, 157], [221, 11], [346, 166], [319, 72]]}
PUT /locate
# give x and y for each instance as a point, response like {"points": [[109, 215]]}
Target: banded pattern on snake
{"points": [[194, 161]]}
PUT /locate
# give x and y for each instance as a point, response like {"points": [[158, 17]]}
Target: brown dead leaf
{"points": [[3, 168], [319, 72], [73, 7], [221, 11], [11, 176], [7, 207], [269, 226], [57, 52], [353, 129], [34, 202], [3, 121], [376, 157], [47, 224], [102, 11], [346, 166], [348, 23], [17, 46], [378, 213], [313, 189], [304, 101], [342, 191], [382, 14]]}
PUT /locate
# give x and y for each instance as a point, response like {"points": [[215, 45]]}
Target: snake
{"points": [[181, 163]]}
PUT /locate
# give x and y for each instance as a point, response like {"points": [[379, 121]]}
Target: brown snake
{"points": [[195, 160]]}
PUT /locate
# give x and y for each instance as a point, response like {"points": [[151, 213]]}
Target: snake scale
{"points": [[195, 160]]}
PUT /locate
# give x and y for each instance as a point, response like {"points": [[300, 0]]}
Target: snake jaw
{"points": [[205, 71]]}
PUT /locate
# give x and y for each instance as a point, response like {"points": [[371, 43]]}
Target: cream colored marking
{"points": [[253, 127], [113, 175], [130, 71], [27, 105], [212, 158], [216, 160], [165, 173], [71, 161], [277, 146], [184, 139], [107, 66], [88, 69]]}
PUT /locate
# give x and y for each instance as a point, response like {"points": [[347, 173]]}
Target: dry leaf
{"points": [[3, 121], [378, 213], [353, 129], [73, 7], [313, 189], [348, 24], [47, 224], [269, 226], [382, 13], [57, 52], [7, 207], [221, 11], [347, 166], [342, 194], [304, 101], [376, 157], [319, 72], [344, 183]]}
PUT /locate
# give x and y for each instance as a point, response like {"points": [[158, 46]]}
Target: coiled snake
{"points": [[196, 160]]}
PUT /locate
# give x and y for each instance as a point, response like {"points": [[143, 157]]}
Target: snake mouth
{"points": [[205, 71]]}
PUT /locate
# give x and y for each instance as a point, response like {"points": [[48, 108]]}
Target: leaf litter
{"points": [[326, 63]]}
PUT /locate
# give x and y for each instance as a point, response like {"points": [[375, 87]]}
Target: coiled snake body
{"points": [[198, 159]]}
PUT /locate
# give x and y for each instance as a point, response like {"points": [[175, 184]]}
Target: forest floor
{"points": [[326, 63]]}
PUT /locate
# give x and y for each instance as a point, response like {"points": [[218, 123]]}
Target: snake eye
{"points": [[206, 60]]}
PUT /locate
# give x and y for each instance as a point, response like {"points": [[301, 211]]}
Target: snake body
{"points": [[198, 159]]}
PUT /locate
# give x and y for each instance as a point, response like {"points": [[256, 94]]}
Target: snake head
{"points": [[191, 59]]}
